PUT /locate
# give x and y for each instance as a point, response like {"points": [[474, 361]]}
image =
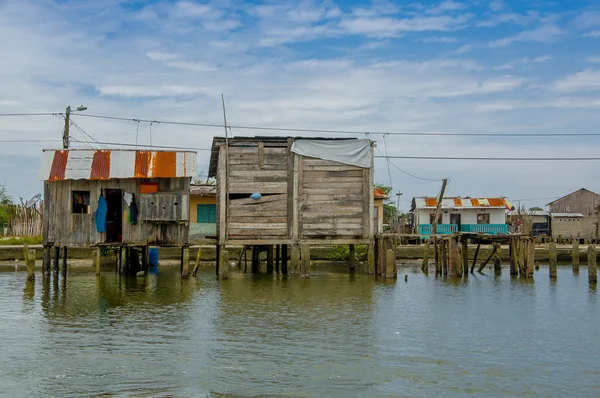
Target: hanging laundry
{"points": [[127, 197], [133, 211], [101, 212]]}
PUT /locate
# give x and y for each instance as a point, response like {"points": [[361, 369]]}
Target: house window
{"points": [[206, 214], [432, 217], [483, 218], [80, 202]]}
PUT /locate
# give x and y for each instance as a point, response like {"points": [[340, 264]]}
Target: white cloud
{"points": [[594, 59], [445, 6], [594, 33], [587, 80], [545, 33], [160, 56], [524, 61], [497, 5], [438, 39], [189, 9], [391, 27], [150, 91], [193, 66], [587, 19]]}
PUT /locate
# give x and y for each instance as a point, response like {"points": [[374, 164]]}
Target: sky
{"points": [[471, 66]]}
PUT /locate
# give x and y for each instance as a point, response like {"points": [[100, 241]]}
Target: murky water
{"points": [[333, 335]]}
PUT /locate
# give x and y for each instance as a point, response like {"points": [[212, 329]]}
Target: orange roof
{"points": [[378, 193]]}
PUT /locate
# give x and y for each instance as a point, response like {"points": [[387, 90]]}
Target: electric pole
{"points": [[66, 132]]}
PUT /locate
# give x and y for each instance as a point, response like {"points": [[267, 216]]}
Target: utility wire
{"points": [[493, 159], [151, 146], [26, 141], [404, 171], [29, 114]]}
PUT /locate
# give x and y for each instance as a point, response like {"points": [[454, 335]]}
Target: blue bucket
{"points": [[153, 256]]}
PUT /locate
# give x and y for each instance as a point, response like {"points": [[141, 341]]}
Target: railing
{"points": [[492, 229], [442, 229], [446, 229]]}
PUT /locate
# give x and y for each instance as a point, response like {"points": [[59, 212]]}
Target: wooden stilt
{"points": [[56, 259], [277, 258], [482, 266], [30, 264], [391, 269], [245, 259], [444, 253], [455, 269], [575, 256], [497, 259], [552, 259], [425, 266], [46, 261], [465, 256], [98, 260], [436, 254], [145, 262], [270, 262], [284, 259], [197, 264], [530, 258], [475, 257], [124, 256], [185, 272], [224, 267], [591, 254], [218, 257], [352, 258], [371, 257], [305, 261], [514, 265], [255, 259], [25, 252]]}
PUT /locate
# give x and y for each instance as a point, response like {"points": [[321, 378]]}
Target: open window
{"points": [[483, 218], [80, 202]]}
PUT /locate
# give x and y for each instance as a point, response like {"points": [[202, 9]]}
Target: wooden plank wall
{"points": [[263, 169], [63, 228], [332, 200]]}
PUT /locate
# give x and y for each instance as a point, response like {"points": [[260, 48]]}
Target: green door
{"points": [[207, 214]]}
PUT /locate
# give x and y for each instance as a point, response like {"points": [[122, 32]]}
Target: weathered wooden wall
{"points": [[162, 218], [302, 198], [581, 201]]}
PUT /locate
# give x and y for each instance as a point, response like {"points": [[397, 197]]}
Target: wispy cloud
{"points": [[587, 19], [523, 61], [594, 59], [438, 39], [446, 6], [594, 33], [546, 33], [391, 27], [587, 80]]}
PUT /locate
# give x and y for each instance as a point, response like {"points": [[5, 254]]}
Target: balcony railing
{"points": [[446, 229]]}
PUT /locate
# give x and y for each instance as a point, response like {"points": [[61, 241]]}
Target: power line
{"points": [[492, 159], [149, 146], [26, 141], [403, 171], [29, 114]]}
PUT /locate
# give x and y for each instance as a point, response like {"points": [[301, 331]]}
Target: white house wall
{"points": [[468, 216]]}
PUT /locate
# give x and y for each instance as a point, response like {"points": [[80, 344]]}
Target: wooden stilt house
{"points": [[116, 197], [293, 192]]}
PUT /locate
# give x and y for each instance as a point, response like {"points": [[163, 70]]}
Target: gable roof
{"points": [[569, 194], [378, 193], [459, 203]]}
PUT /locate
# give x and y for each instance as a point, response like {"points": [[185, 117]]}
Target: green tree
{"points": [[5, 205], [536, 209], [384, 188]]}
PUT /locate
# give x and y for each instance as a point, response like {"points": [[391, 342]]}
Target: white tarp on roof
{"points": [[352, 152]]}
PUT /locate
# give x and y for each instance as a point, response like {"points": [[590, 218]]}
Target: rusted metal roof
{"points": [[459, 203], [378, 193], [77, 164], [203, 190]]}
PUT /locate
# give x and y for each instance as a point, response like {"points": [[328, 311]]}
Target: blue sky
{"points": [[432, 66]]}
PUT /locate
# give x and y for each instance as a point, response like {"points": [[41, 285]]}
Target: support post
{"points": [[277, 258], [197, 264], [552, 259], [185, 271], [391, 270], [436, 249], [371, 258], [575, 256], [352, 258], [305, 261], [465, 256], [284, 259], [46, 261], [224, 267], [218, 257], [530, 258], [25, 252], [295, 259], [255, 259], [455, 269], [497, 259], [270, 259], [145, 262], [98, 260], [56, 259], [123, 266], [30, 264], [475, 257], [425, 266], [514, 265], [487, 260], [64, 259], [444, 253], [591, 254]]}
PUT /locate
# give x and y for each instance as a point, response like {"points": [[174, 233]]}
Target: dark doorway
{"points": [[455, 219], [114, 215]]}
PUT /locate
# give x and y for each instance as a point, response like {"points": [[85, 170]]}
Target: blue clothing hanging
{"points": [[101, 214]]}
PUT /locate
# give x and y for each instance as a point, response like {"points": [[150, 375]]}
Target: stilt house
{"points": [[293, 191], [116, 197]]}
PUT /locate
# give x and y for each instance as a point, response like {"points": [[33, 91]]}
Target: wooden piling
{"points": [[438, 259], [123, 262], [30, 264], [218, 258], [487, 260], [591, 254], [455, 268], [391, 269], [514, 265], [425, 266], [575, 256], [98, 253], [371, 258], [25, 252], [295, 259], [352, 258], [444, 253], [145, 261], [197, 263], [530, 258], [305, 261], [277, 258], [56, 259], [185, 270], [64, 259], [46, 261], [284, 259], [552, 259], [270, 258], [497, 259], [465, 256], [224, 266], [475, 257], [255, 259]]}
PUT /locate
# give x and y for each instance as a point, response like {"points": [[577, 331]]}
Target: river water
{"points": [[332, 335]]}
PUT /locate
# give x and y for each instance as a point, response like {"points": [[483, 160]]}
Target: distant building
{"points": [[540, 223], [203, 211], [379, 197], [484, 215], [575, 214]]}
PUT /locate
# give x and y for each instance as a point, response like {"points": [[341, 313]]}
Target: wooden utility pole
{"points": [[66, 132], [425, 267]]}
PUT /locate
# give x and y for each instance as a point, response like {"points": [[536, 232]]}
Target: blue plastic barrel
{"points": [[153, 256]]}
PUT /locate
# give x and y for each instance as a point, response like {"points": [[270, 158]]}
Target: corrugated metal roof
{"points": [[203, 190], [378, 193], [77, 164], [567, 215], [459, 203]]}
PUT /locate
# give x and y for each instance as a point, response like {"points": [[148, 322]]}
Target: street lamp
{"points": [[80, 108]]}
